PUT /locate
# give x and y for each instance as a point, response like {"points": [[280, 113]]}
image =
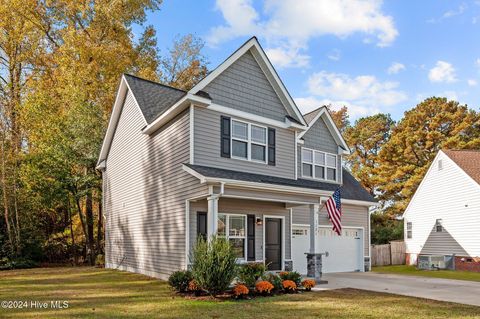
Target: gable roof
{"points": [[322, 112], [351, 188], [258, 53], [467, 160], [153, 98]]}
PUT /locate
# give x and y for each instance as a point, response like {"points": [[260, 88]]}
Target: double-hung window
{"points": [[249, 141], [234, 229], [319, 165], [409, 230]]}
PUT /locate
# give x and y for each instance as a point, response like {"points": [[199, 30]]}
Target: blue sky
{"points": [[372, 56]]}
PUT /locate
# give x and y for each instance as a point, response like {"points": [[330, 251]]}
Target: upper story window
{"points": [[438, 226], [409, 230], [319, 165], [249, 141]]}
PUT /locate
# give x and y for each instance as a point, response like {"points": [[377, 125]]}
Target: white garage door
{"points": [[345, 252]]}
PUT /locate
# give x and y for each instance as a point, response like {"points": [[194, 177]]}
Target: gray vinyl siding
{"points": [[243, 86], [241, 206], [319, 138], [207, 147], [442, 243], [351, 216], [145, 195]]}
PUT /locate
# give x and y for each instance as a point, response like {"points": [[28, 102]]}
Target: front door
{"points": [[273, 243]]}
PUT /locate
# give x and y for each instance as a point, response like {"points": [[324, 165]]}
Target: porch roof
{"points": [[351, 188]]}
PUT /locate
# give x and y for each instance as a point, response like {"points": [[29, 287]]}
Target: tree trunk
{"points": [[89, 220], [5, 197], [72, 234], [100, 228]]}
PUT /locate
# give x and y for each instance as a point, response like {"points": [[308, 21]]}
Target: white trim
{"points": [[261, 199], [194, 173], [291, 233], [192, 130], [331, 127], [300, 225], [187, 232], [253, 117], [174, 110], [252, 43], [461, 169], [296, 155], [359, 202], [284, 239], [369, 242]]}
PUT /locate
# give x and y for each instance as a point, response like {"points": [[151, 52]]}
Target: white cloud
{"points": [[442, 72], [472, 82], [477, 63], [395, 68], [334, 55], [363, 95], [287, 57], [308, 104], [455, 12], [292, 23]]}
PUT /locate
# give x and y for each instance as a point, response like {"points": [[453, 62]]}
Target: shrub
{"points": [[100, 261], [308, 284], [213, 264], [264, 287], [275, 280], [289, 286], [250, 273], [180, 280], [291, 275], [17, 263], [240, 291]]}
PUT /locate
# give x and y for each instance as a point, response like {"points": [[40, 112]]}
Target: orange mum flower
{"points": [[289, 285], [264, 287], [240, 290], [308, 283], [193, 286]]}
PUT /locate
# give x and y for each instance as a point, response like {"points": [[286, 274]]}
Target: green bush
{"points": [[213, 264], [293, 276], [18, 263], [179, 280], [275, 280], [249, 273]]}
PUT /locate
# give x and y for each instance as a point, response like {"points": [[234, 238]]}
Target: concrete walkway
{"points": [[460, 291]]}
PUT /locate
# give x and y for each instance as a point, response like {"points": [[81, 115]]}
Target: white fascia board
{"points": [[252, 43], [331, 127], [253, 117], [174, 110], [194, 173], [360, 202], [468, 177]]}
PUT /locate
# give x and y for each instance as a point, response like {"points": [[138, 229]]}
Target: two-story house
{"points": [[233, 156]]}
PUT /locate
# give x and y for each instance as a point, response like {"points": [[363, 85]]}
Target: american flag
{"points": [[334, 211]]}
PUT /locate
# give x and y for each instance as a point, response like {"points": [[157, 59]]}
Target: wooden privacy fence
{"points": [[389, 254]]}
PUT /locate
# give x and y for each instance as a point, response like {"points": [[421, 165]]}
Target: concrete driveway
{"points": [[460, 291]]}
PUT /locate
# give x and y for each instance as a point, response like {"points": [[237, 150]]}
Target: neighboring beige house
{"points": [[232, 156], [443, 217]]}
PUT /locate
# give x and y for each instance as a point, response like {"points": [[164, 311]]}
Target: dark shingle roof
{"points": [[351, 188], [311, 115], [153, 98], [468, 160]]}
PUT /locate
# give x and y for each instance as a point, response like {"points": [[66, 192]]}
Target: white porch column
{"points": [[212, 215], [313, 226]]}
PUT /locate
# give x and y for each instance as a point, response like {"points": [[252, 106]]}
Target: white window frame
{"points": [[325, 166], [409, 233], [249, 142], [227, 232]]}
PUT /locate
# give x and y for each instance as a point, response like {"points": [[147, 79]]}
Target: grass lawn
{"points": [[101, 293], [412, 270]]}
